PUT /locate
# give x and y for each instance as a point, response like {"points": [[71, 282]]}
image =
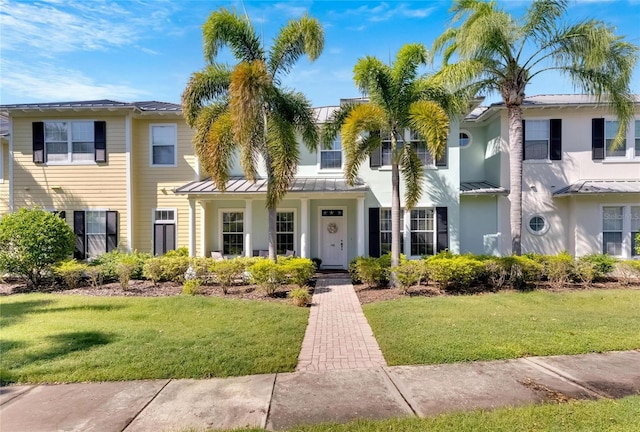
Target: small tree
{"points": [[32, 242]]}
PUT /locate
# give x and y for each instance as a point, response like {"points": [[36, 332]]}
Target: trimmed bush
{"points": [[32, 242], [174, 267], [602, 264], [71, 272], [180, 252], [456, 273], [298, 270], [153, 270], [523, 271], [125, 269], [300, 296], [109, 262], [353, 271], [192, 287], [268, 275], [370, 271], [225, 272], [558, 268], [410, 273]]}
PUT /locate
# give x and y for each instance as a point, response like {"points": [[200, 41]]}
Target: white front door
{"points": [[333, 237]]}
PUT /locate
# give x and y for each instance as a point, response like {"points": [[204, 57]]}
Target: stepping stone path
{"points": [[338, 335]]}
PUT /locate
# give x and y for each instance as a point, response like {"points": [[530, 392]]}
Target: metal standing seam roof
{"points": [[102, 103], [584, 187], [241, 185], [481, 188]]}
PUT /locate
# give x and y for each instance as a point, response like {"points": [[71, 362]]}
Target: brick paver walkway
{"points": [[338, 335]]}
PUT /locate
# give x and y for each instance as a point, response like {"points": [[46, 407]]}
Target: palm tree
{"points": [[243, 110], [399, 98], [497, 52]]}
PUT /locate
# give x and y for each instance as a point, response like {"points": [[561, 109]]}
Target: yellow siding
{"points": [[153, 186], [72, 187], [4, 178]]}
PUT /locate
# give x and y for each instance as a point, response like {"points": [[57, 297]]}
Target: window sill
{"points": [[427, 168], [538, 161], [163, 166], [84, 163], [622, 160], [330, 170]]}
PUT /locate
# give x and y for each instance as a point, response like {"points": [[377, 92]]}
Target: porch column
{"points": [[406, 234], [248, 227], [304, 228], [360, 226], [203, 229], [192, 228]]}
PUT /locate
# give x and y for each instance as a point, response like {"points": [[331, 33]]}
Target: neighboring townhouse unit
{"points": [[579, 195], [125, 175]]}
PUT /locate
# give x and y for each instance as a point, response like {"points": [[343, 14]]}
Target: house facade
{"points": [[124, 175]]}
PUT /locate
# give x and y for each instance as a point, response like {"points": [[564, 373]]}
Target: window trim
{"points": [[155, 221], [69, 160], [295, 225], [390, 231], [524, 140], [630, 154], [221, 211], [545, 227], [331, 170], [406, 138], [175, 144], [627, 253], [434, 231], [465, 131]]}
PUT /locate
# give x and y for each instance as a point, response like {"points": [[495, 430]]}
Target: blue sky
{"points": [[134, 50]]}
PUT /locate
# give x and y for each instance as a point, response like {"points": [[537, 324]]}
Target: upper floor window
{"points": [[332, 158], [637, 138], [387, 151], [536, 139], [164, 144], [603, 133], [69, 141], [420, 147], [610, 131]]}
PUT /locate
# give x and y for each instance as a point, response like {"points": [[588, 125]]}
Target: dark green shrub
{"points": [[32, 242], [298, 270], [226, 272], [602, 264], [71, 272], [454, 273], [353, 271], [268, 275], [410, 273]]}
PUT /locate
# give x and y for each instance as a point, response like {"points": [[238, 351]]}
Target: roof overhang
{"points": [[481, 188], [599, 187]]}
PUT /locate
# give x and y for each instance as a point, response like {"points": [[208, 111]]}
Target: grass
{"points": [[63, 338], [601, 416], [505, 325]]}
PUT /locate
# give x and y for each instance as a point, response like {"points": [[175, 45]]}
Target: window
{"points": [[420, 147], [164, 231], [637, 139], [1, 162], [610, 131], [387, 151], [284, 232], [69, 141], [422, 232], [332, 158], [385, 231], [163, 144], [612, 228], [635, 228], [536, 139], [96, 232], [537, 225], [464, 139], [96, 222], [232, 233]]}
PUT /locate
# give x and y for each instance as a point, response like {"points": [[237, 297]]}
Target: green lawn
{"points": [[505, 325], [63, 338], [599, 416]]}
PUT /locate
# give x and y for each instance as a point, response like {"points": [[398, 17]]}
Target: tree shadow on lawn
{"points": [[12, 312]]}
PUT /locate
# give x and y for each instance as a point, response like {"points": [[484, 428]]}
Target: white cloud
{"points": [[43, 81], [385, 12]]}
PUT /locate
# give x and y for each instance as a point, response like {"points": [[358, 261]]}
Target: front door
{"points": [[333, 238]]}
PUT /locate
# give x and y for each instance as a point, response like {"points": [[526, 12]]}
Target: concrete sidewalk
{"points": [[280, 401]]}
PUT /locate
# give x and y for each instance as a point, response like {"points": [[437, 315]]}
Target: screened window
{"points": [[284, 232], [386, 150], [422, 232], [232, 233], [69, 141], [385, 231], [536, 139], [612, 229], [163, 145], [635, 229], [420, 147], [332, 158], [610, 130], [96, 232]]}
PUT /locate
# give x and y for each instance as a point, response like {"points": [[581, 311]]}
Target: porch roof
{"points": [[241, 185], [584, 187], [481, 188]]}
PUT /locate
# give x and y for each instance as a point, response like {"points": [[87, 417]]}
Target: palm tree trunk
{"points": [[395, 216], [272, 234], [516, 144]]}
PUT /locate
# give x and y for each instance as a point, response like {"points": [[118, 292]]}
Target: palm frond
{"points": [[249, 83], [365, 119], [412, 172], [541, 17], [283, 158], [207, 86], [295, 108], [432, 123], [225, 27], [214, 143], [373, 77], [331, 128], [297, 38], [408, 59]]}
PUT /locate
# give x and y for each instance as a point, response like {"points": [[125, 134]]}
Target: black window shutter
{"points": [[78, 229], [375, 159], [38, 142], [597, 138], [442, 161], [555, 126], [112, 230], [374, 232], [100, 141], [442, 229], [524, 141]]}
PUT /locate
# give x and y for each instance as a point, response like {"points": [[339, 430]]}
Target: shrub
{"points": [[174, 267], [298, 270], [152, 270], [225, 272], [410, 273], [497, 272], [268, 275], [32, 242], [110, 260], [583, 272], [124, 270], [95, 275], [370, 271], [523, 271], [317, 262], [192, 287], [201, 266], [456, 273], [300, 296], [558, 268], [71, 272], [638, 244], [628, 270], [180, 252], [353, 271], [602, 264]]}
